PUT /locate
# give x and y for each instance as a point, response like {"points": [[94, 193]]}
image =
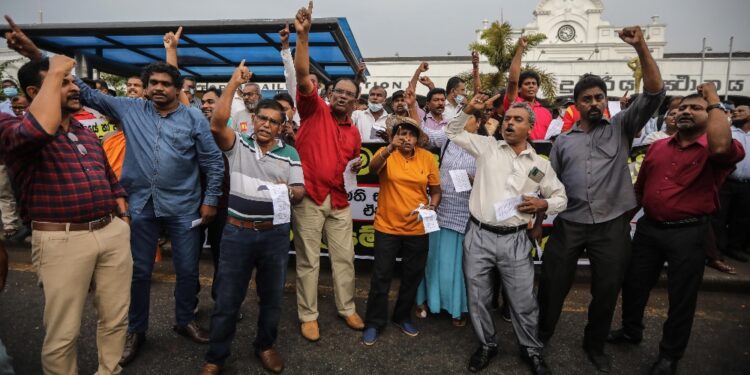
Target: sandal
{"points": [[722, 266], [421, 311]]}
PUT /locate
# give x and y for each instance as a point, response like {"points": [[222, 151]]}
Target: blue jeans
{"points": [[243, 250], [145, 228]]}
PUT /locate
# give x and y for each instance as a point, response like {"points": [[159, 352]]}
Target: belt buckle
{"points": [[255, 225]]}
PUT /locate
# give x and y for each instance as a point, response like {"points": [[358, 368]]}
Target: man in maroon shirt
{"points": [[677, 186], [326, 142], [69, 193]]}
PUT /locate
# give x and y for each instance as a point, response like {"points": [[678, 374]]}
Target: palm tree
{"points": [[497, 46]]}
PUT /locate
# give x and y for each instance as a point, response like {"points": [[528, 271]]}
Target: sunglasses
{"points": [[81, 148]]}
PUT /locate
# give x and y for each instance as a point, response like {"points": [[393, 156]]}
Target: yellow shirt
{"points": [[403, 186]]}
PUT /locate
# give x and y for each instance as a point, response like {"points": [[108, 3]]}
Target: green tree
{"points": [[115, 82], [498, 48]]}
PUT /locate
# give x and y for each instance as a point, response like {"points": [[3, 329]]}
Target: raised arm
{"points": [[302, 24], [286, 57], [411, 102], [46, 105], [475, 72], [19, 42], [718, 132], [224, 135], [423, 67], [514, 73], [360, 78], [474, 144], [171, 41]]}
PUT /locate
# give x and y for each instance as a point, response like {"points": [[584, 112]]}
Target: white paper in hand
{"points": [[507, 208], [282, 210], [460, 180], [429, 219], [195, 223], [350, 177]]}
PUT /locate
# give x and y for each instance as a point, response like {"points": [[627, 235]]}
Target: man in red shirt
{"points": [[678, 186], [326, 142], [70, 194], [523, 87]]}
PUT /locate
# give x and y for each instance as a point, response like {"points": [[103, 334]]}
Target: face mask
{"points": [[459, 99], [375, 107], [10, 92]]}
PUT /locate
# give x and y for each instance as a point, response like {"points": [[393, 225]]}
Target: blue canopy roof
{"points": [[208, 50]]}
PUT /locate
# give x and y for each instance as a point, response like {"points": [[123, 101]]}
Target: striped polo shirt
{"points": [[250, 171]]}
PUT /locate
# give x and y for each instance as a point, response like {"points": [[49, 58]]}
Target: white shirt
{"points": [[501, 174], [6, 107], [368, 125], [555, 127], [742, 171], [242, 122], [451, 110], [290, 76]]}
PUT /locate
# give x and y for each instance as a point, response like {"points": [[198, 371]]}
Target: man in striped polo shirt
{"points": [[265, 178]]}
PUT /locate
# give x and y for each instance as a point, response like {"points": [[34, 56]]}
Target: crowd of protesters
{"points": [[249, 170]]}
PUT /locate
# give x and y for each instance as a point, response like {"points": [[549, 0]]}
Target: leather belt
{"points": [[257, 225], [55, 227], [689, 222], [498, 230]]}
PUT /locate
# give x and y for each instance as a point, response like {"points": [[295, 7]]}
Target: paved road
{"points": [[720, 343]]}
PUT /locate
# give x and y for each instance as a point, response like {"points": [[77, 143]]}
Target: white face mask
{"points": [[459, 99], [375, 107]]}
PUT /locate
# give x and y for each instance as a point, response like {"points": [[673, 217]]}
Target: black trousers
{"points": [[732, 220], [607, 245], [684, 251], [413, 250]]}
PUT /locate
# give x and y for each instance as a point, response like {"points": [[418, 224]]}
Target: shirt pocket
{"points": [[607, 148], [180, 140]]}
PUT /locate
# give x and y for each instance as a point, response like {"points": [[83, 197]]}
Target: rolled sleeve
{"points": [[554, 192]]}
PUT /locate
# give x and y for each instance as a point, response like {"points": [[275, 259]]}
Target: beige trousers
{"points": [[7, 201], [69, 264], [310, 223]]}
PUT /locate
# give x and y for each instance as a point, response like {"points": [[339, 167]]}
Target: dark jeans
{"points": [[145, 228], [413, 250], [683, 249], [215, 230], [732, 220], [608, 248], [243, 250]]}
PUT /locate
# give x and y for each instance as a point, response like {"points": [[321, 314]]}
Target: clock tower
{"points": [[576, 31]]}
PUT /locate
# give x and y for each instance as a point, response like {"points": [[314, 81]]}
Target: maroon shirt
{"points": [[676, 183], [325, 146], [54, 181]]}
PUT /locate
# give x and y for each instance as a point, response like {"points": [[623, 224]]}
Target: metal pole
{"points": [[729, 67], [703, 57]]}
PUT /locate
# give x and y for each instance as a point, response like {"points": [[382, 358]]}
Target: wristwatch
{"points": [[715, 106]]}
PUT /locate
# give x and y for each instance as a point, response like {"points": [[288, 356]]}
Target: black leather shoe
{"points": [[664, 366], [481, 358], [599, 359], [620, 337], [194, 332], [538, 366], [133, 342]]}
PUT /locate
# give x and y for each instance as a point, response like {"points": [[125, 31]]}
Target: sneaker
{"points": [[408, 328], [369, 336]]}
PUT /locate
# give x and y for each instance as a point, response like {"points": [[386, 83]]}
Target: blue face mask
{"points": [[10, 92], [459, 99], [375, 107]]}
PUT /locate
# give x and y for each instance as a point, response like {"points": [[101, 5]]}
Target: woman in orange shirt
{"points": [[409, 178]]}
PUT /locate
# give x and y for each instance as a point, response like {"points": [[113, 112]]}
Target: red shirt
{"points": [[676, 183], [572, 116], [325, 146], [54, 180], [543, 117]]}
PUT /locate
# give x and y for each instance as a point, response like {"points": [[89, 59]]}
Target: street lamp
{"points": [[703, 58]]}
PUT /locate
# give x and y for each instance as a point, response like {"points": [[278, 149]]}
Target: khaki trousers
{"points": [[310, 222], [69, 264], [7, 201]]}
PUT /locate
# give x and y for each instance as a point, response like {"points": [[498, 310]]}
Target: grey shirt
{"points": [[593, 165]]}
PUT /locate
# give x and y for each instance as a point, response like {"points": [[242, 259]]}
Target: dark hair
{"points": [[362, 99], [189, 78], [692, 96], [29, 76], [161, 67], [18, 97], [397, 94], [214, 90], [337, 80], [435, 91], [102, 83], [89, 82], [526, 74], [271, 104], [453, 82], [285, 97], [588, 81]]}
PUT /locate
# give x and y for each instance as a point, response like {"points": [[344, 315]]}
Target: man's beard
{"points": [[251, 106]]}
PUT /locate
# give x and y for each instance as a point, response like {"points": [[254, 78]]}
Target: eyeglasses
{"points": [[81, 148], [265, 119], [346, 93], [249, 94]]}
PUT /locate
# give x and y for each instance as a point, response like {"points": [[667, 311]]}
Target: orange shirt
{"points": [[114, 148], [403, 186]]}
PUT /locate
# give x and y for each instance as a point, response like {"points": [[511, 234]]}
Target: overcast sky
{"points": [[412, 27]]}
